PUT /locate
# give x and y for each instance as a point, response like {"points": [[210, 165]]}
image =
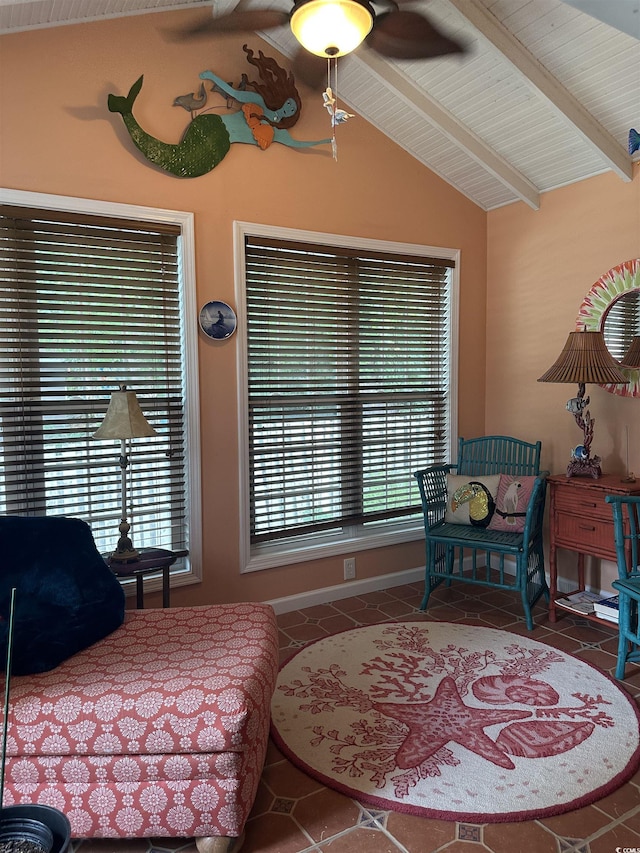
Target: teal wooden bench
{"points": [[478, 555]]}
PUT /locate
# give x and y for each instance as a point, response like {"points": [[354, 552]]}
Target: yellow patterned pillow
{"points": [[471, 499]]}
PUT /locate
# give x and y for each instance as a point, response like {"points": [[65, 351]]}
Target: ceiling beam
{"points": [[570, 109], [445, 122], [15, 15]]}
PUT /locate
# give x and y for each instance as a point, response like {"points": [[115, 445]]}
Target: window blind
{"points": [[622, 324], [348, 385], [88, 303]]}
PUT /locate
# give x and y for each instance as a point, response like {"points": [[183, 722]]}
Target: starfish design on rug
{"points": [[446, 718]]}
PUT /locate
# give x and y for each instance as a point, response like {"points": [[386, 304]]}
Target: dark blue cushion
{"points": [[67, 598]]}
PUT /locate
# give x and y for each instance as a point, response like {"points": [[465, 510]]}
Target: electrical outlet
{"points": [[350, 568]]}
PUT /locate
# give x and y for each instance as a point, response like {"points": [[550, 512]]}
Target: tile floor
{"points": [[295, 814]]}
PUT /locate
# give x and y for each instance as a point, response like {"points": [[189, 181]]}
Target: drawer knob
{"points": [[586, 527]]}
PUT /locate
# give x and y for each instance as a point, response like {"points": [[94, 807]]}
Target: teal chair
{"points": [[626, 526], [492, 558]]}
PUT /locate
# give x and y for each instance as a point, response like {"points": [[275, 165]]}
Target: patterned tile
{"points": [[282, 806], [572, 845], [371, 817], [469, 832]]}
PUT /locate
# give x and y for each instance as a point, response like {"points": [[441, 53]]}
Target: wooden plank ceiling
{"points": [[545, 96]]}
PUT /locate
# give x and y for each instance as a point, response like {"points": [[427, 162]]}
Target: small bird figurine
{"points": [[192, 102], [240, 87], [634, 141], [339, 117], [328, 100]]}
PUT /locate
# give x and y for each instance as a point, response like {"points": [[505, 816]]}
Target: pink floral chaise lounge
{"points": [[158, 729]]}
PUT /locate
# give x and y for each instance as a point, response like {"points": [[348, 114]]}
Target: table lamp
{"points": [[584, 358], [124, 420], [631, 358]]}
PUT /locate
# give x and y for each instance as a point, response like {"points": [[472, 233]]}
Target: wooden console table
{"points": [[580, 520]]}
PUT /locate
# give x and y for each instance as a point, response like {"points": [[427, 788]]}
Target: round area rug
{"points": [[455, 722]]}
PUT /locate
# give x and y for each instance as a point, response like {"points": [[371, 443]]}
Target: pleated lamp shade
{"points": [[631, 358], [585, 359], [124, 418]]}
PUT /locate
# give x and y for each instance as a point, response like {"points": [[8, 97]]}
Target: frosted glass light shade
{"points": [[331, 27]]}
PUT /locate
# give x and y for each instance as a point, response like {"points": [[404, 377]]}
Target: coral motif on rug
{"points": [[455, 722]]}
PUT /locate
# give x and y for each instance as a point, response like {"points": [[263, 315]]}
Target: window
{"points": [[622, 324], [92, 297], [350, 376]]}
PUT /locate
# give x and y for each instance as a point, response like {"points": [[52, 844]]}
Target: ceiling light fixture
{"points": [[331, 28]]}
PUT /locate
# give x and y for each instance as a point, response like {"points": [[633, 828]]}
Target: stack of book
{"points": [[592, 603], [607, 608], [580, 602]]}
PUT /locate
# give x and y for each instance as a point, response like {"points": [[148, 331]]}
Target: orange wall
{"points": [[540, 266], [57, 136]]}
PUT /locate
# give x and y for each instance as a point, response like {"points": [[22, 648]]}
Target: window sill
{"points": [[278, 554]]}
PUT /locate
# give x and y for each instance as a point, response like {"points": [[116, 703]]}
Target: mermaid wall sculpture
{"points": [[267, 109]]}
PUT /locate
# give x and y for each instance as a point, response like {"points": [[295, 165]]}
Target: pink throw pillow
{"points": [[512, 501]]}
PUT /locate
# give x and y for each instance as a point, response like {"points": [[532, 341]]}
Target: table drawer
{"points": [[583, 502], [586, 534]]}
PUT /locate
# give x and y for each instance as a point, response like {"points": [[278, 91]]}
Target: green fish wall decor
{"points": [[266, 110]]}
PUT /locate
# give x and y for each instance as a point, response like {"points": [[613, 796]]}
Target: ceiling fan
{"points": [[327, 29]]}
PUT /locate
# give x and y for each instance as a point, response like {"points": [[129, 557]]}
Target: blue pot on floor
{"points": [[43, 825]]}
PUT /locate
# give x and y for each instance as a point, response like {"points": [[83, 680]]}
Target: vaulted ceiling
{"points": [[544, 96]]}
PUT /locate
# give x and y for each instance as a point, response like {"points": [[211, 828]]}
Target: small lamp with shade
{"points": [[584, 358], [124, 420]]}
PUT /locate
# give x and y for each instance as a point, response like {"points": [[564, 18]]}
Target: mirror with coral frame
{"points": [[619, 288]]}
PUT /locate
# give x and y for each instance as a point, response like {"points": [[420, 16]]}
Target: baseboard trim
{"points": [[358, 587], [345, 590]]}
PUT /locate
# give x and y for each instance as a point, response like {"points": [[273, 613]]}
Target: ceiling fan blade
{"points": [[408, 35], [254, 19], [310, 69]]}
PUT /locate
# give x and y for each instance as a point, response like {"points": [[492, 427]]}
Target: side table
{"points": [[150, 561], [580, 520]]}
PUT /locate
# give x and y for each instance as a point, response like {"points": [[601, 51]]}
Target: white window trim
{"points": [[332, 544], [185, 221]]}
